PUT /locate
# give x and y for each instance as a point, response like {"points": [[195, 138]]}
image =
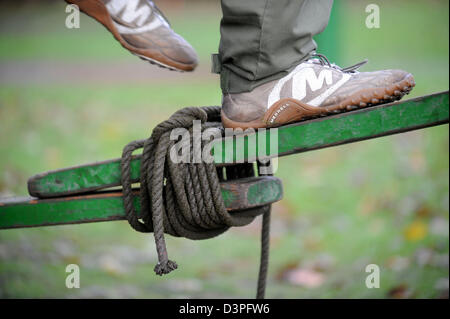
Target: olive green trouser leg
{"points": [[262, 40]]}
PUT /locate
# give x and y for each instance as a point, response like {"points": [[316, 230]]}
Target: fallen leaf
{"points": [[281, 273], [423, 211], [305, 277], [400, 292], [299, 276]]}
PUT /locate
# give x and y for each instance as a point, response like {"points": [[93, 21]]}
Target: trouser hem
{"points": [[231, 82]]}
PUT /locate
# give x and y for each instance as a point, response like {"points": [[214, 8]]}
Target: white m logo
{"points": [[302, 76], [308, 76], [130, 11]]}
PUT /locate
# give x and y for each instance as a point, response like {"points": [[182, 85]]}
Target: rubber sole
{"points": [[97, 10], [157, 63], [289, 110]]}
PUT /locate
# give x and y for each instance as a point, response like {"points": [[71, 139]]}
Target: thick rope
{"points": [[184, 199], [264, 261]]}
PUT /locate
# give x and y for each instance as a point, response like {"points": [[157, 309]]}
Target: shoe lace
{"points": [[324, 61]]}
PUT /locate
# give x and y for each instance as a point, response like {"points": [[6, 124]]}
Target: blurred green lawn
{"points": [[383, 201]]}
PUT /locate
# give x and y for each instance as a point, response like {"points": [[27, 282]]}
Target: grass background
{"points": [[75, 96]]}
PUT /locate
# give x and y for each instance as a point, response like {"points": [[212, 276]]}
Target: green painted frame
{"points": [[299, 137], [238, 195]]}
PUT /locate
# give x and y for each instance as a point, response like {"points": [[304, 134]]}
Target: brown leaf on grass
{"points": [[304, 277], [400, 292], [423, 211], [280, 275]]}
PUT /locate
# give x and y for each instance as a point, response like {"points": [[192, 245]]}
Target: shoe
{"points": [[143, 30], [314, 88]]}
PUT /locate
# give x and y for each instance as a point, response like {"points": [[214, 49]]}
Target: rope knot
{"points": [[165, 267], [193, 113], [183, 199]]}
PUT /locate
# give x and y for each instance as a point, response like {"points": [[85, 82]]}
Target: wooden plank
{"points": [[106, 206], [300, 137]]}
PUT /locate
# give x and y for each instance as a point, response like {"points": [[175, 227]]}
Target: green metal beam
{"points": [[106, 206], [295, 138], [362, 124], [81, 179]]}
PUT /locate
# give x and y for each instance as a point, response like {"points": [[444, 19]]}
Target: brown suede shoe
{"points": [[314, 88], [142, 29]]}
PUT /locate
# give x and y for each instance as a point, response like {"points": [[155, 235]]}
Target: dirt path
{"points": [[99, 73]]}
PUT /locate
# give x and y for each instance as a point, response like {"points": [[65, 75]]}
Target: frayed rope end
{"points": [[165, 267]]}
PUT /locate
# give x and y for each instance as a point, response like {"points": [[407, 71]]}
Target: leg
{"points": [[262, 40], [143, 30], [270, 75]]}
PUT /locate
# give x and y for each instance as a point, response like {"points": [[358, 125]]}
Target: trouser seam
{"points": [[260, 40]]}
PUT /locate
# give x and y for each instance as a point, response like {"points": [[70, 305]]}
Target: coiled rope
{"points": [[184, 199]]}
